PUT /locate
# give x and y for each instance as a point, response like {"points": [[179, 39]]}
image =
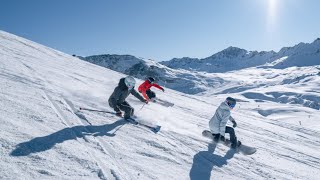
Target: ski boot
{"points": [[236, 146], [129, 113], [119, 114], [153, 100]]}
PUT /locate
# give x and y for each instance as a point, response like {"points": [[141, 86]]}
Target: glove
{"points": [[234, 124], [216, 138], [162, 90], [146, 101], [222, 138]]}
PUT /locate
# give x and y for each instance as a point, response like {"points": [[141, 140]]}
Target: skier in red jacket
{"points": [[144, 88]]}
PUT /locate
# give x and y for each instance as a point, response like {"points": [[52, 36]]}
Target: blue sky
{"points": [[163, 29]]}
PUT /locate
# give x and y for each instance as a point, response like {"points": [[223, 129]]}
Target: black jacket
{"points": [[121, 92]]}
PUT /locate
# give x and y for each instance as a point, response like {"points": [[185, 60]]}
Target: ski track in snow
{"points": [[67, 105], [43, 136], [104, 172]]}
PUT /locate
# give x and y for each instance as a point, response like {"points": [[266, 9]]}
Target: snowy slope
{"points": [[294, 85], [41, 138]]}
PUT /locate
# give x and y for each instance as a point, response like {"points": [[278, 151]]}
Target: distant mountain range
{"points": [[233, 58], [188, 75], [181, 80]]}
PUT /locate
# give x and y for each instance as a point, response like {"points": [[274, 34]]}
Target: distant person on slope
{"points": [[118, 101], [219, 121], [144, 88]]}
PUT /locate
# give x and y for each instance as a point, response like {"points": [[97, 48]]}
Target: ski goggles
{"points": [[130, 87], [232, 105]]}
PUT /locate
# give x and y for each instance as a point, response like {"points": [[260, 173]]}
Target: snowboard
{"points": [[244, 149]]}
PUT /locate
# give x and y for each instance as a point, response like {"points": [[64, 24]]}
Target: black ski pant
{"points": [[232, 134], [124, 106], [150, 94]]}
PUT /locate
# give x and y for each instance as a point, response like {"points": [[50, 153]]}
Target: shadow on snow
{"points": [[44, 143], [204, 161]]}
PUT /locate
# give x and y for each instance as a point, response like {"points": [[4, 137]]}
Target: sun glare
{"points": [[272, 10]]}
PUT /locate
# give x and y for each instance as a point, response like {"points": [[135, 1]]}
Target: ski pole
{"points": [[142, 107]]}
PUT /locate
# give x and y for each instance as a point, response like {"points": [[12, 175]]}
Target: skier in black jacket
{"points": [[118, 101]]}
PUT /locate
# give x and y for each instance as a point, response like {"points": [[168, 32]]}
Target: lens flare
{"points": [[272, 14]]}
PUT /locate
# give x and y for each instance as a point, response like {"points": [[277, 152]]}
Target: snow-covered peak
{"points": [[302, 54], [317, 41], [301, 48], [114, 61], [230, 52]]}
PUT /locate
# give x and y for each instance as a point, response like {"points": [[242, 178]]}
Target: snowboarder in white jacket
{"points": [[218, 123]]}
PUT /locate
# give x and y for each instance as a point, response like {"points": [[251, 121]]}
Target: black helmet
{"points": [[151, 79], [231, 102]]}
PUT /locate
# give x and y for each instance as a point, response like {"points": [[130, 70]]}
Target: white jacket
{"points": [[219, 121]]}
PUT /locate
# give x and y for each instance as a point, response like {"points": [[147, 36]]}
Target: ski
{"points": [[154, 129], [96, 110], [162, 102], [132, 121]]}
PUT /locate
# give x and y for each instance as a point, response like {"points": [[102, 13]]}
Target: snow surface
{"points": [[42, 138]]}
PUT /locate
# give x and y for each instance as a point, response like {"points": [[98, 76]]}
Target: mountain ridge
{"points": [[234, 58], [188, 75]]}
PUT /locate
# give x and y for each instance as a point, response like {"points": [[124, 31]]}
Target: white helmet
{"points": [[130, 82]]}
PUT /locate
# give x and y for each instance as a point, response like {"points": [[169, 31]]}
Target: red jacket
{"points": [[147, 85]]}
